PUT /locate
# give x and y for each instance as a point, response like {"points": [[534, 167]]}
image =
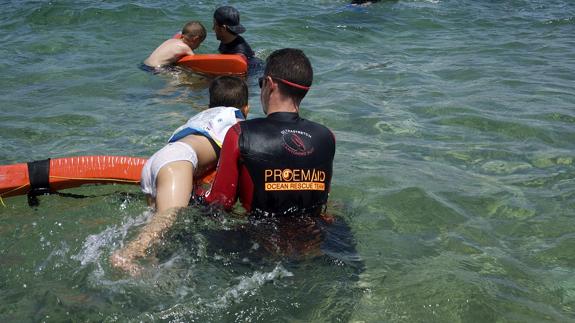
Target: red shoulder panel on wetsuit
{"points": [[224, 190]]}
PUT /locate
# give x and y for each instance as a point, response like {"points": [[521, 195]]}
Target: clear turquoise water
{"points": [[454, 170]]}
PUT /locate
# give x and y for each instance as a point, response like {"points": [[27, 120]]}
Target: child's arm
{"points": [[174, 188]]}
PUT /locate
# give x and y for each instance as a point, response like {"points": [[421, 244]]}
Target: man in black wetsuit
{"points": [[280, 165], [363, 2], [227, 28]]}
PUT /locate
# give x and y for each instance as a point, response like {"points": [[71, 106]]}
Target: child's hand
{"points": [[126, 263]]}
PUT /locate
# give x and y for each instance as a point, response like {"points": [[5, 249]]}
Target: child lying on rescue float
{"points": [[170, 51]]}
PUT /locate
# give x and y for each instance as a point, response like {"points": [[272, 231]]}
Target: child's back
{"points": [[170, 51]]}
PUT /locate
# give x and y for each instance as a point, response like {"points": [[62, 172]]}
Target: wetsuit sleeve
{"points": [[224, 189]]}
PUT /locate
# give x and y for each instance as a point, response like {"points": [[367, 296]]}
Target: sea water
{"points": [[454, 177]]}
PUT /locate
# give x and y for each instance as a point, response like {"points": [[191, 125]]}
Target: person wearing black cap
{"points": [[227, 28], [363, 2], [280, 165]]}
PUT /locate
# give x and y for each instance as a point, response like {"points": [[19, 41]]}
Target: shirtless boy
{"points": [[170, 51]]}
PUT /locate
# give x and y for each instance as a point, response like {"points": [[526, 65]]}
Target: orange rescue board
{"points": [[76, 171], [215, 64]]}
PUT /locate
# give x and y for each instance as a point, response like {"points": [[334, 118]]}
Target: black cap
{"points": [[230, 17]]}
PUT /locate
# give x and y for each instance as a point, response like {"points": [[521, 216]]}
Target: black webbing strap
{"points": [[39, 175]]}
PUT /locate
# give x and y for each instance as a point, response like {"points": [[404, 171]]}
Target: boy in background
{"points": [[170, 51]]}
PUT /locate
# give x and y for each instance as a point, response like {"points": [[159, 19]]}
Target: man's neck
{"points": [[228, 38], [282, 105]]}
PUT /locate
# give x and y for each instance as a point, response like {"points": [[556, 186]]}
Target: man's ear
{"points": [[245, 110], [273, 84]]}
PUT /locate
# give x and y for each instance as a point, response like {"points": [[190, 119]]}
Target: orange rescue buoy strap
{"points": [[39, 175]]}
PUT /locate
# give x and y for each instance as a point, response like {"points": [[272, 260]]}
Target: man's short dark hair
{"points": [[292, 65], [228, 91]]}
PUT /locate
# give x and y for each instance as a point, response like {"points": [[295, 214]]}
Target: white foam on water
{"points": [[249, 285], [56, 253], [199, 307], [95, 244]]}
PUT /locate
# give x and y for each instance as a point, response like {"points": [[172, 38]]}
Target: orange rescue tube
{"points": [[76, 171], [73, 172], [215, 64]]}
